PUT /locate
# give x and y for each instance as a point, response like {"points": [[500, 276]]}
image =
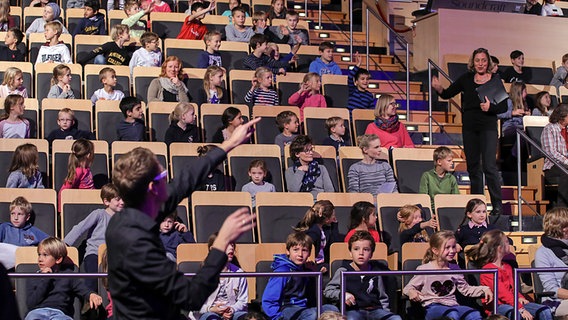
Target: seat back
{"points": [[7, 147], [76, 205], [361, 119], [409, 164], [267, 129], [388, 206], [240, 82], [450, 209], [118, 148], [314, 122], [335, 90], [288, 84], [208, 212], [60, 151], [141, 78], [167, 24], [241, 157], [44, 212], [343, 203], [278, 213]]}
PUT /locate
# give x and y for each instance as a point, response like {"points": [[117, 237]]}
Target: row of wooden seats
{"points": [[408, 164]]}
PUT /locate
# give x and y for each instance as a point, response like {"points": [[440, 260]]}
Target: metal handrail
{"points": [[516, 272], [318, 275], [521, 134], [417, 272], [403, 41], [440, 71]]}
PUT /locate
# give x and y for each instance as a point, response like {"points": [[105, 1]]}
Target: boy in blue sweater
{"points": [[93, 21], [132, 128], [325, 64], [292, 297], [358, 82], [95, 225], [173, 233], [53, 298], [19, 231]]}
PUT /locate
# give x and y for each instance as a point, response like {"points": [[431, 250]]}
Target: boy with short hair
{"points": [[149, 55], [237, 31], [258, 59], [288, 124], [336, 129], [113, 52], [93, 22], [365, 295], [358, 82], [134, 14], [193, 28], [132, 128], [52, 298], [95, 225], [211, 55], [292, 297], [259, 22], [10, 51], [515, 72], [440, 180], [173, 233], [289, 33], [325, 64], [560, 76], [68, 128], [53, 50], [19, 231], [107, 76]]}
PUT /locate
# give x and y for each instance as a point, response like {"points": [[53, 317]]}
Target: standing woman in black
{"points": [[479, 130]]}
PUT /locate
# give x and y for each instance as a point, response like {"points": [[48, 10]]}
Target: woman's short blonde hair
{"points": [[554, 221], [382, 104]]}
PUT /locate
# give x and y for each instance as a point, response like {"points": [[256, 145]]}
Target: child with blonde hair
{"points": [[212, 90], [309, 94], [437, 293], [489, 254], [182, 125], [53, 298], [107, 76], [19, 231], [261, 92], [211, 55], [61, 83], [113, 52], [12, 122], [13, 83], [412, 226], [53, 51], [24, 169], [134, 13], [371, 175], [336, 129], [68, 128], [517, 108]]}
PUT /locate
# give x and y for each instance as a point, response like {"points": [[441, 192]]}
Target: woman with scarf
{"points": [[306, 175], [479, 128], [169, 86], [554, 254], [386, 125]]}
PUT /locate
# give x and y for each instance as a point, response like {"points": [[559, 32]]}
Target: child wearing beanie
{"points": [[51, 12]]}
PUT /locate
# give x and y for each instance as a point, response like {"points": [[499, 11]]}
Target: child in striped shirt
{"points": [[358, 82], [261, 93]]}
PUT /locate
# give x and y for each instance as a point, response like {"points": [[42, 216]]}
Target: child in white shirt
{"points": [[107, 76]]}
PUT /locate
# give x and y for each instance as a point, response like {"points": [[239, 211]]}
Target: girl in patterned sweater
{"points": [[261, 93], [437, 293]]}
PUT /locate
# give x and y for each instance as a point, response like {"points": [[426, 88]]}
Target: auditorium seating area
{"points": [[277, 213]]}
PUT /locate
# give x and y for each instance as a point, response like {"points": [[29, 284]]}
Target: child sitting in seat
{"points": [[173, 233], [10, 51], [229, 301], [95, 225], [365, 295], [257, 172], [52, 298], [215, 180], [68, 128], [132, 128], [336, 129], [211, 55], [24, 169], [51, 12], [61, 83], [113, 52], [412, 227], [182, 125], [107, 76], [149, 55], [19, 232], [53, 51], [93, 22], [193, 28], [288, 124], [237, 31], [13, 83], [12, 122], [134, 14]]}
